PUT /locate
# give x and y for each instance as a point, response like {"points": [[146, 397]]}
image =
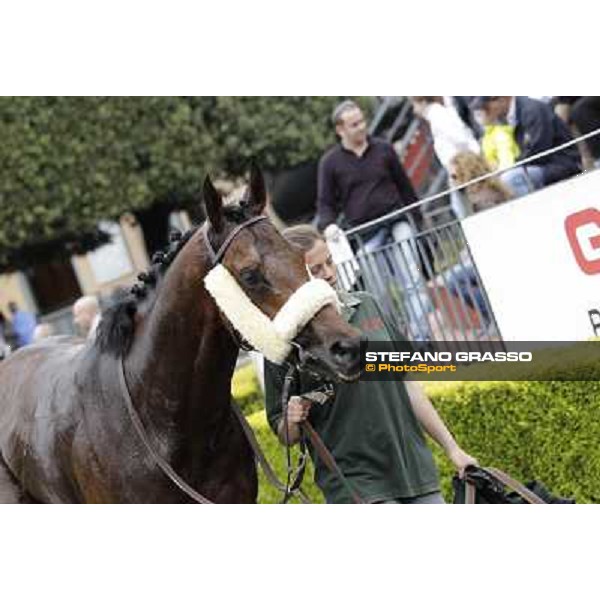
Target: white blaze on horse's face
{"points": [[272, 338]]}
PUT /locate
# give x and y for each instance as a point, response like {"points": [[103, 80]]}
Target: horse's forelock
{"points": [[238, 213]]}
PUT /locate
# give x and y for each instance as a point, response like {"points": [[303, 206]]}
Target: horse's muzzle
{"points": [[345, 358], [339, 360]]}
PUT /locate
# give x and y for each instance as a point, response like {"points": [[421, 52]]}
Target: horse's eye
{"points": [[252, 277]]}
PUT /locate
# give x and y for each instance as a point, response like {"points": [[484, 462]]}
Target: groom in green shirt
{"points": [[373, 429]]}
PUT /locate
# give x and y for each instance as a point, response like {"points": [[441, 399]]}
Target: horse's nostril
{"points": [[346, 352]]}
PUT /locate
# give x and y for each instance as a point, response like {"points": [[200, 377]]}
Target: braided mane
{"points": [[117, 326]]}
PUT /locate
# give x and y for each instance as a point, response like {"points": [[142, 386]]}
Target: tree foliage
{"points": [[279, 132], [68, 162]]}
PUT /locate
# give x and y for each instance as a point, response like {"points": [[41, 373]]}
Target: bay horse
{"points": [[66, 435]]}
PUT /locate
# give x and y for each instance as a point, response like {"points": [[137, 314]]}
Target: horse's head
{"points": [[263, 289]]}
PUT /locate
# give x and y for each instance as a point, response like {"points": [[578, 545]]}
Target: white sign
{"points": [[342, 255], [539, 260], [111, 261]]}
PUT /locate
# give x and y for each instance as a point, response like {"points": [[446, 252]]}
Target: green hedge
{"points": [[544, 430], [532, 430]]}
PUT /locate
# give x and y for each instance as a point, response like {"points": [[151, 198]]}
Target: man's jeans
{"points": [[523, 180], [400, 262]]}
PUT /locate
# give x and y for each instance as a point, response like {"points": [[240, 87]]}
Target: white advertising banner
{"points": [[539, 260]]}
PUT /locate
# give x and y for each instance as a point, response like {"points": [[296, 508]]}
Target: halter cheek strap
{"points": [[218, 255]]}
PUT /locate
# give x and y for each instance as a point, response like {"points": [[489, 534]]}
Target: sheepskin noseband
{"points": [[271, 337]]}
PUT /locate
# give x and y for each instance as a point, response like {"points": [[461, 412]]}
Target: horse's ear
{"points": [[213, 204], [257, 197]]}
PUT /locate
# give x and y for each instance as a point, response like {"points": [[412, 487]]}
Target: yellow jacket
{"points": [[499, 146]]}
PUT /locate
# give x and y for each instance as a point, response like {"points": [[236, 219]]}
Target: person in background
{"points": [[4, 347], [462, 105], [585, 118], [362, 179], [373, 429], [450, 136], [468, 166], [86, 316], [536, 130], [499, 146], [42, 331], [461, 279], [3, 327], [500, 150], [22, 325], [562, 106]]}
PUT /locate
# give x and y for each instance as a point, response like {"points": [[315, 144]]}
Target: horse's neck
{"points": [[182, 362]]}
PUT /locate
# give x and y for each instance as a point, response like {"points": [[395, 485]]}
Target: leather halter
{"points": [[216, 257]]}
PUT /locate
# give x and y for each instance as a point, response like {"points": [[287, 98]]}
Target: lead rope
{"points": [[261, 458], [330, 462], [308, 432], [294, 475]]}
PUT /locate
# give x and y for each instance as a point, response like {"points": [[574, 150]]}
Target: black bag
{"points": [[489, 486]]}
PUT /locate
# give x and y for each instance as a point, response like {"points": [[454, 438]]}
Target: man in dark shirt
{"points": [[362, 179]]}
